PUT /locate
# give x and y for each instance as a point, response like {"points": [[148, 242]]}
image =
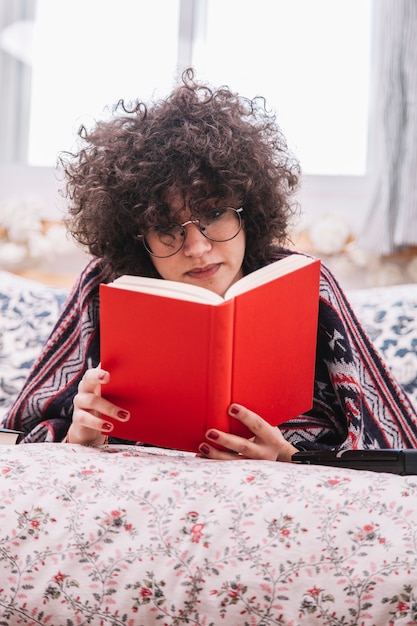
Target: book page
{"points": [[194, 293], [269, 272], [167, 288]]}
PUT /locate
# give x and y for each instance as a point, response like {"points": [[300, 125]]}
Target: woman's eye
{"points": [[215, 214]]}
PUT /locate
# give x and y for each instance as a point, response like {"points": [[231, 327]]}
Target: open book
{"points": [[179, 354]]}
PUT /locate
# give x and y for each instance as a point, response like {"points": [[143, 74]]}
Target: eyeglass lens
{"points": [[218, 225]]}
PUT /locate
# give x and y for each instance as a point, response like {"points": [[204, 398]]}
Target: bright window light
{"points": [[87, 55], [309, 59]]}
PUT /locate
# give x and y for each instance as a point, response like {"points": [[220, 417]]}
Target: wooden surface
{"points": [[65, 280]]}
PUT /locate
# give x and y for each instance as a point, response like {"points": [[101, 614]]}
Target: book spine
{"points": [[219, 378]]}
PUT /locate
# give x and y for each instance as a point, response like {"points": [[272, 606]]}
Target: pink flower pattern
{"points": [[130, 536]]}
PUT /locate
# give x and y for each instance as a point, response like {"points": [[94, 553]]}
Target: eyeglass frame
{"points": [[196, 222]]}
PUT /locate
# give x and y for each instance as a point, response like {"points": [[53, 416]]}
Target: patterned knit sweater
{"points": [[357, 403]]}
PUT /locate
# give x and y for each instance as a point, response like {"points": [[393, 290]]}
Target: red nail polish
{"points": [[107, 427], [213, 435], [204, 448], [123, 415], [234, 410]]}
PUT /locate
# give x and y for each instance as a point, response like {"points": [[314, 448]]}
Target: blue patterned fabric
{"points": [[389, 316], [28, 313]]}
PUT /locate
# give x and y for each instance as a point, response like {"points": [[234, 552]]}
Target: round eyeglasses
{"points": [[218, 225]]}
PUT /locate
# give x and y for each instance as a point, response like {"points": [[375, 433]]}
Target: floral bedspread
{"points": [[136, 536]]}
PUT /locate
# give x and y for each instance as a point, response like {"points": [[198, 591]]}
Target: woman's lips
{"points": [[203, 273]]}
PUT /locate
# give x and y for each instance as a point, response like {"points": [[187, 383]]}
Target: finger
{"points": [[85, 419], [92, 378], [207, 451], [92, 402], [263, 431], [235, 445], [256, 424], [265, 444]]}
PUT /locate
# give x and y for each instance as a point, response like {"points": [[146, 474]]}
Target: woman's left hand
{"points": [[268, 442]]}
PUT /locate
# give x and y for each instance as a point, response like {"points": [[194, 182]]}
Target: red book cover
{"points": [[176, 364]]}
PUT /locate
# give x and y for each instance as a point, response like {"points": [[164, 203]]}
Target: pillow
{"points": [[389, 315], [28, 312]]}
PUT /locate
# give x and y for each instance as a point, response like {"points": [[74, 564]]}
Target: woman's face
{"points": [[213, 265]]}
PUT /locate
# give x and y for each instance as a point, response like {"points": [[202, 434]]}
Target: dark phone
{"points": [[402, 462]]}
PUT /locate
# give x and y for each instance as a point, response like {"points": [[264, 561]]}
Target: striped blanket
{"points": [[357, 402]]}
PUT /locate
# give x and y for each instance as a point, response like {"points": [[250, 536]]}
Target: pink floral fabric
{"points": [[129, 536]]}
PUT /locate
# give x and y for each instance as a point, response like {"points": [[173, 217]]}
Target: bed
{"points": [[133, 536]]}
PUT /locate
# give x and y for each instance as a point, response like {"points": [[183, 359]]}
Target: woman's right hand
{"points": [[88, 426]]}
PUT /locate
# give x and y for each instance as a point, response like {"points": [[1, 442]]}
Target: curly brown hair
{"points": [[207, 142]]}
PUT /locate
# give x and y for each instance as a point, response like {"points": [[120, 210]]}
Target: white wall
{"points": [[318, 195], [24, 181], [348, 196], [41, 186]]}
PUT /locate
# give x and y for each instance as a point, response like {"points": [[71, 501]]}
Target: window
{"points": [[88, 55], [310, 60]]}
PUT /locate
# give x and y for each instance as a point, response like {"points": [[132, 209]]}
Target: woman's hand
{"points": [[88, 427], [268, 442]]}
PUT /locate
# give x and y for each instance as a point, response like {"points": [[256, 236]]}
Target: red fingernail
{"points": [[204, 448], [123, 415], [107, 427], [234, 409], [102, 376], [213, 435]]}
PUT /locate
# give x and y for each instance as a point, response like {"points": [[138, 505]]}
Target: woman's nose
{"points": [[195, 243]]}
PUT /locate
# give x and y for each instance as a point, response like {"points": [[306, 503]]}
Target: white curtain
{"points": [[15, 80], [391, 222]]}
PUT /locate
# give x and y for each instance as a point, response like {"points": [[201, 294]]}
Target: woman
{"points": [[144, 191]]}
